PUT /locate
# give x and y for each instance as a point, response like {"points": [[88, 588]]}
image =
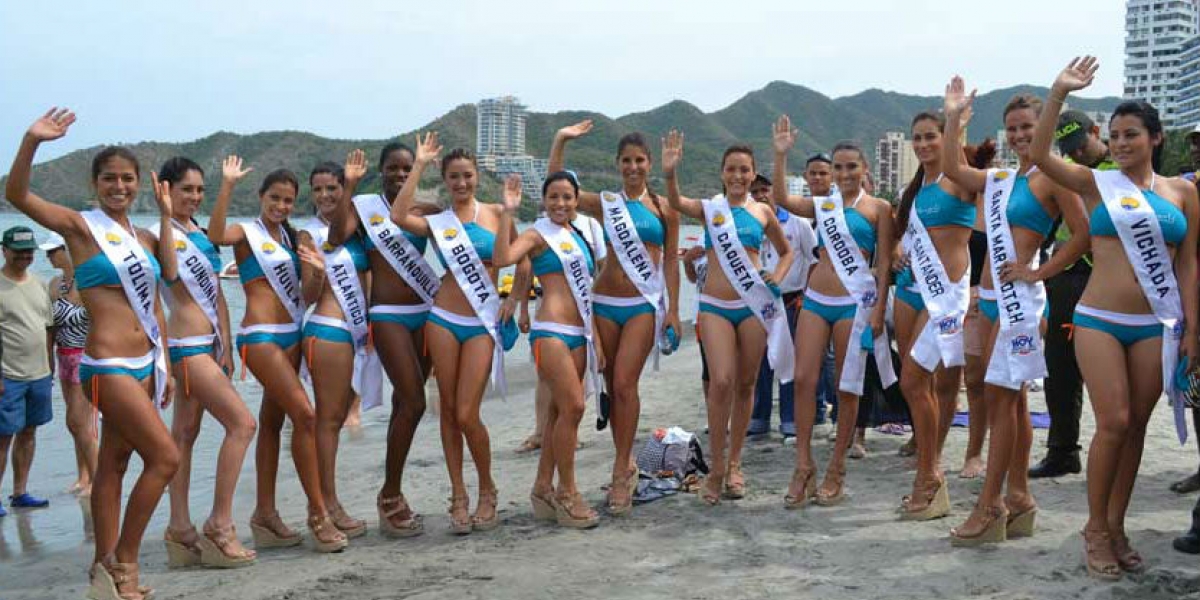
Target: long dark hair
{"points": [[637, 140], [569, 177], [914, 186], [174, 170], [1148, 115], [287, 177]]}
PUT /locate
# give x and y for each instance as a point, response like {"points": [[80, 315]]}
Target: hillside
{"points": [[822, 122]]}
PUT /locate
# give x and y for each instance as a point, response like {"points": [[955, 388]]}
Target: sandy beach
{"points": [[671, 548]]}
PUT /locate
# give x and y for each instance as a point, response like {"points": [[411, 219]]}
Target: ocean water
{"points": [[26, 536]]}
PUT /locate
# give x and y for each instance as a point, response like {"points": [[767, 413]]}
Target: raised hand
{"points": [[52, 125], [672, 151], [311, 258], [512, 193], [957, 103], [162, 195], [428, 148], [231, 169], [356, 165], [784, 134], [1077, 75], [579, 129]]}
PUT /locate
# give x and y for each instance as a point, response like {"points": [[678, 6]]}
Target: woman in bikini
{"points": [[402, 289], [1030, 205], [1140, 303], [562, 336], [632, 314], [201, 352], [336, 333], [276, 274], [831, 309], [937, 253], [464, 344], [71, 324], [124, 367], [731, 320]]}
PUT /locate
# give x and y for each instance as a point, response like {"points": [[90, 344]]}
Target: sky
{"points": [[137, 70]]}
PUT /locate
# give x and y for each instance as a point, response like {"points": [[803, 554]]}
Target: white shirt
{"points": [[799, 233], [593, 234]]}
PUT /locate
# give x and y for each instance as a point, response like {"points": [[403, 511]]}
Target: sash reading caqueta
{"points": [[751, 288]]}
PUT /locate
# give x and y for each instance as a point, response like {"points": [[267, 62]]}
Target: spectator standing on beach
{"points": [[1191, 483], [799, 234], [70, 333], [25, 342]]}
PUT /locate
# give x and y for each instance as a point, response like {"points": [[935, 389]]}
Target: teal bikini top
{"points": [[749, 230], [1170, 219], [98, 270], [547, 261], [1025, 211], [249, 269], [937, 208], [206, 248], [358, 252], [482, 239], [860, 228], [648, 227]]}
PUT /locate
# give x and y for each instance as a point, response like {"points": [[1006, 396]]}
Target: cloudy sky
{"points": [[139, 70]]}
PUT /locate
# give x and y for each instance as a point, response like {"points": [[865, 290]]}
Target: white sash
{"points": [[342, 277], [1018, 354], [137, 279], [744, 278], [277, 267], [855, 274], [405, 258], [474, 280], [635, 259], [197, 274], [1141, 234], [579, 279], [946, 301]]}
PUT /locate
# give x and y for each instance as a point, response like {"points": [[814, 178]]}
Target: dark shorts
{"points": [[25, 404]]}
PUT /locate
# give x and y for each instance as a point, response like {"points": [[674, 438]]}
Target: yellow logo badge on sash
{"points": [[719, 219], [268, 248], [376, 219], [827, 205], [327, 247], [1129, 203], [566, 247], [1000, 176], [112, 238], [449, 234], [180, 245]]}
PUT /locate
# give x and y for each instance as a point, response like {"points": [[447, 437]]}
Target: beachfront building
{"points": [[1156, 32], [1187, 92], [797, 186], [500, 145], [499, 129], [895, 162]]}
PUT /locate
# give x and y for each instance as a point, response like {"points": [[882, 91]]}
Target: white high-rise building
{"points": [[499, 129], [895, 162], [1156, 32], [1187, 91]]}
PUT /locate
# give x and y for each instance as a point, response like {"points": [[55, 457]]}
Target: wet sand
{"points": [[671, 548]]}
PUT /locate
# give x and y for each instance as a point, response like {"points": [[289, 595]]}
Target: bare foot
{"points": [[973, 468]]}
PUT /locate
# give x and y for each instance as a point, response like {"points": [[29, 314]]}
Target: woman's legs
{"points": [[946, 383], [474, 368], [812, 337], [1102, 362], [923, 405], [562, 370], [407, 366], [973, 374], [625, 351], [276, 369], [1144, 360], [83, 432], [186, 416], [847, 414], [750, 346], [721, 352], [131, 424], [331, 387]]}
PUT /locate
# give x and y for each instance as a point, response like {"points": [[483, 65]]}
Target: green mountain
{"points": [[822, 122]]}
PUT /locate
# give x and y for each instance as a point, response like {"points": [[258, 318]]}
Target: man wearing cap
{"points": [[1078, 138], [800, 236], [25, 376]]}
